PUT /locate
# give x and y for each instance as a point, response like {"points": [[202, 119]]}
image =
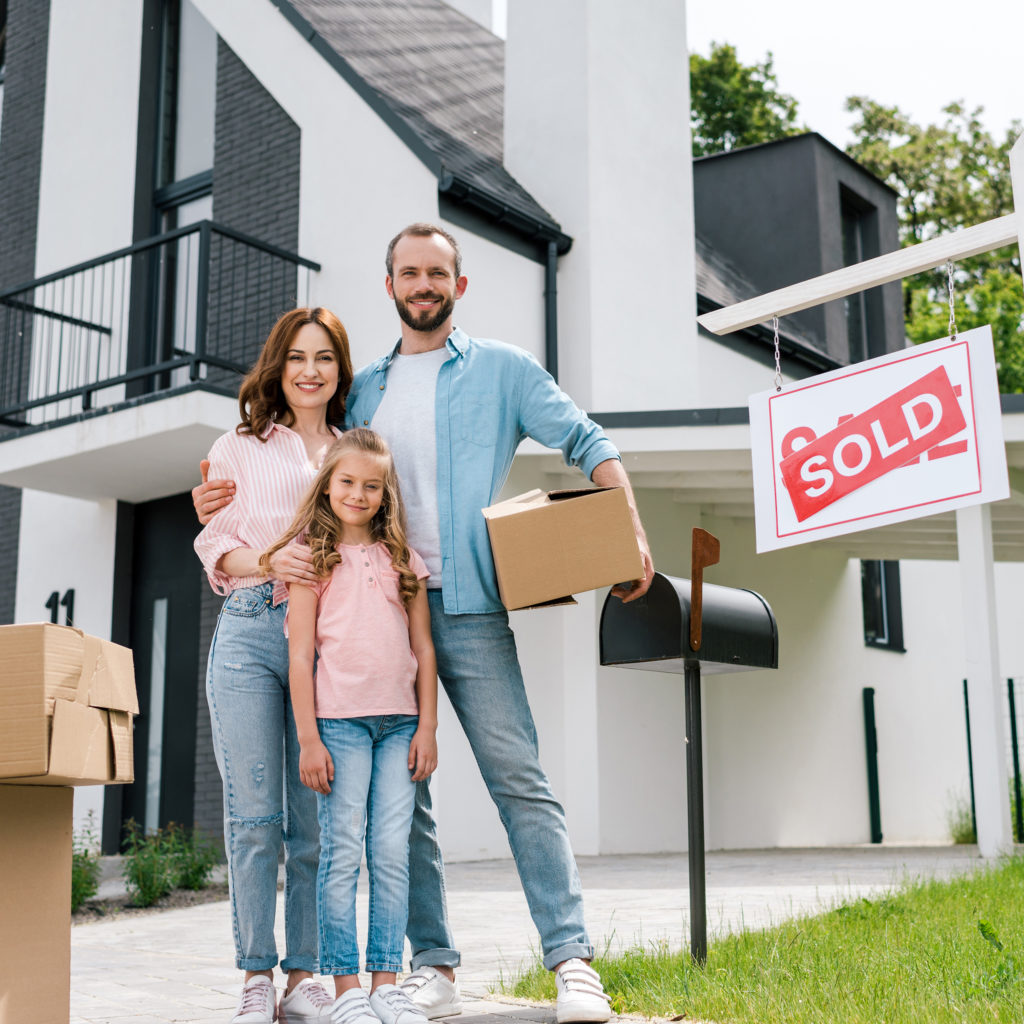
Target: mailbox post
{"points": [[684, 626]]}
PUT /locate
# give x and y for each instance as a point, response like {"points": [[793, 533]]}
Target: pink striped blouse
{"points": [[270, 479]]}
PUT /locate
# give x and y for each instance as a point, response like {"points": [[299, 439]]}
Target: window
{"points": [[883, 612]]}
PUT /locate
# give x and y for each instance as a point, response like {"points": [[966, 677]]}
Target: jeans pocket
{"points": [[247, 602]]}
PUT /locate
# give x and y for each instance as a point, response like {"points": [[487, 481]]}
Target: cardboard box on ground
{"points": [[549, 545], [67, 702]]}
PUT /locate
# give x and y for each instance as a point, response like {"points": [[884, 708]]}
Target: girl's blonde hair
{"points": [[316, 524]]}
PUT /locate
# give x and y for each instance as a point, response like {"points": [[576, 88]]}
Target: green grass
{"points": [[929, 953]]}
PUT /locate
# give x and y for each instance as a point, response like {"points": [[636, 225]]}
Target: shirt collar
{"points": [[457, 343]]}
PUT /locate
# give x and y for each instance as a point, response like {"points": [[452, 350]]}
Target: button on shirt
{"points": [[489, 396], [365, 664]]}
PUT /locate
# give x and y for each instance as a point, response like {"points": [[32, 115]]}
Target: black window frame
{"points": [[882, 605]]}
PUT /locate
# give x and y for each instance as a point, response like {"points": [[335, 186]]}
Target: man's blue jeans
{"points": [[479, 669], [372, 794], [265, 802]]}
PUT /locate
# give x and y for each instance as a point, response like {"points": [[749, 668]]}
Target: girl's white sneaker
{"points": [[353, 1007], [393, 1006]]}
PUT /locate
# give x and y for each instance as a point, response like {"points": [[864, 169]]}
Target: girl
{"points": [[366, 625], [288, 404]]}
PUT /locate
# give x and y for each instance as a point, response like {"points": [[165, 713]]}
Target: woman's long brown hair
{"points": [[261, 401]]}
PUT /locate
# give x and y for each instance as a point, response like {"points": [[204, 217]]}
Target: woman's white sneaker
{"points": [[258, 1004], [433, 993], [307, 1003], [581, 996]]}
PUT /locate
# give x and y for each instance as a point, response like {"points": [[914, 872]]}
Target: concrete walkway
{"points": [[176, 966]]}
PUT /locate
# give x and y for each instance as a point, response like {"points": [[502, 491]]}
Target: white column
{"points": [[984, 684], [597, 128], [581, 788]]}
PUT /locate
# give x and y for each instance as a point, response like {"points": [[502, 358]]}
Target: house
{"points": [[176, 173]]}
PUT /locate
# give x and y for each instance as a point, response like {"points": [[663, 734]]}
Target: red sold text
{"points": [[818, 471]]}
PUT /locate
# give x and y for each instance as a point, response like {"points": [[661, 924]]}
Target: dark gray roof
{"points": [[438, 79], [721, 283]]}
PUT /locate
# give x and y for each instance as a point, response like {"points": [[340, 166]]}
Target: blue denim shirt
{"points": [[489, 397]]}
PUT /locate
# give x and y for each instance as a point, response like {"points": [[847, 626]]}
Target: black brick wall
{"points": [[21, 145], [256, 191]]}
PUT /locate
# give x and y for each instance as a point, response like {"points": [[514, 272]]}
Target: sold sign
{"points": [[925, 437], [888, 435]]}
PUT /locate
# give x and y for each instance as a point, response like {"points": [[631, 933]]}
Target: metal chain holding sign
{"points": [[952, 291], [778, 364]]}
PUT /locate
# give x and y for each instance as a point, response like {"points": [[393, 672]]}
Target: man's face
{"points": [[424, 285]]}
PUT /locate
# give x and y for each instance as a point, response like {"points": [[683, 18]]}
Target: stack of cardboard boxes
{"points": [[67, 702]]}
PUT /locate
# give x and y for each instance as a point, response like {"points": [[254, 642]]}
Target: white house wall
{"points": [[727, 377], [68, 544], [87, 176]]}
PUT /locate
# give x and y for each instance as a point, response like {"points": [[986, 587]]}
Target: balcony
{"points": [[116, 373]]}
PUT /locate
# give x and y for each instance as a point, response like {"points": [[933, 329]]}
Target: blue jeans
{"points": [[372, 795], [479, 669], [265, 802]]}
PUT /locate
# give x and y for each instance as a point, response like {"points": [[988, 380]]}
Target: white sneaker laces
{"points": [[315, 993], [579, 977], [254, 998]]}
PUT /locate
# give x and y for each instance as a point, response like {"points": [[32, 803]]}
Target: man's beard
{"points": [[421, 321]]}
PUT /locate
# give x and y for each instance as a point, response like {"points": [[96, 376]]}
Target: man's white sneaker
{"points": [[258, 1004], [433, 993], [394, 1006], [580, 993], [307, 1003], [353, 1007]]}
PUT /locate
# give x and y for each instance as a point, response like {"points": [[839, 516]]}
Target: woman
{"points": [[289, 403]]}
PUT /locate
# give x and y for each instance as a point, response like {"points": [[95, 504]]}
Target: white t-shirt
{"points": [[405, 419]]}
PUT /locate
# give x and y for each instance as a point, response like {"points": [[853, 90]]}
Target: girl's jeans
{"points": [[372, 794], [264, 800]]}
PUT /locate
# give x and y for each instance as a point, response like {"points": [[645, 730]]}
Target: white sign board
{"points": [[899, 437]]}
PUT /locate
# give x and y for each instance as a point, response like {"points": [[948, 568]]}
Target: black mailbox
{"points": [[686, 626], [738, 629]]}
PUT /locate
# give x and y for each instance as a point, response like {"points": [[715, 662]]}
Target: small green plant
{"points": [[960, 821], [195, 855], [85, 864], [150, 864]]}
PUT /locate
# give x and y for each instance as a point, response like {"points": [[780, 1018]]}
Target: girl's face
{"points": [[309, 377], [356, 490]]}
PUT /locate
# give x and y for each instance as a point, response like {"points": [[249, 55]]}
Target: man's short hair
{"points": [[422, 230]]}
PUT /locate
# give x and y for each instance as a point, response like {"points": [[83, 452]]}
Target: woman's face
{"points": [[309, 377]]}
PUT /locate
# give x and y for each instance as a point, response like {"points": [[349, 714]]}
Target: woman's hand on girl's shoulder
{"points": [[423, 753], [316, 769]]}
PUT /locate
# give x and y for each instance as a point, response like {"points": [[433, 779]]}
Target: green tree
{"points": [[734, 104], [950, 175]]}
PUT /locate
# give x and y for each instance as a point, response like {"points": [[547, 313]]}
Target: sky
{"points": [[912, 55]]}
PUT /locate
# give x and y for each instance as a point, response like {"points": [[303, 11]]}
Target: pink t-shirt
{"points": [[365, 666]]}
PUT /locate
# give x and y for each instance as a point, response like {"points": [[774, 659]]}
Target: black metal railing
{"points": [[191, 305]]}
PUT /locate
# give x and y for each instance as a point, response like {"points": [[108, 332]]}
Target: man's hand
{"points": [[631, 591], [211, 495]]}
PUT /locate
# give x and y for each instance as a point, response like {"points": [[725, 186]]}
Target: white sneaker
{"points": [[307, 1003], [433, 993], [580, 993], [394, 1006], [352, 1007], [258, 1004]]}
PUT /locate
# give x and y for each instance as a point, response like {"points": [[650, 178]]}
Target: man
{"points": [[454, 409]]}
